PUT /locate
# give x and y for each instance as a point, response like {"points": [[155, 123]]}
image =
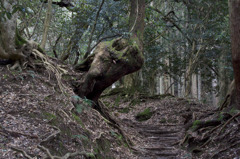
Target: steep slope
{"points": [[37, 120]]}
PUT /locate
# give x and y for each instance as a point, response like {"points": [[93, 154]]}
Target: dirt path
{"points": [[158, 141], [159, 136]]}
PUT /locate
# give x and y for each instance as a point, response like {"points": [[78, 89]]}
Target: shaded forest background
{"points": [[186, 43]]}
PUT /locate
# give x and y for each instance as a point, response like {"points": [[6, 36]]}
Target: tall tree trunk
{"points": [[234, 8], [136, 23], [46, 24]]}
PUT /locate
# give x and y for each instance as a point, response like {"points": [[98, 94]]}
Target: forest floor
{"points": [[38, 120], [158, 137]]}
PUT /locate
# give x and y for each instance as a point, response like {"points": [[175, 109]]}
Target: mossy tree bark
{"points": [[13, 48], [114, 59], [8, 34]]}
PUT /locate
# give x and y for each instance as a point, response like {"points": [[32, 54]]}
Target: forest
{"points": [[119, 79]]}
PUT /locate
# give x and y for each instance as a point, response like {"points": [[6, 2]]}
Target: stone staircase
{"points": [[159, 140]]}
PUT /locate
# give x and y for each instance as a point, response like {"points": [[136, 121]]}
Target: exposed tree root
{"points": [[51, 67], [17, 134], [21, 151], [66, 156], [228, 123], [114, 124], [15, 66], [53, 135], [208, 131], [225, 149]]}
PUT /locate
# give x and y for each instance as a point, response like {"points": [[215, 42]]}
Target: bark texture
{"points": [[13, 48], [136, 27], [8, 34], [110, 61], [234, 8], [47, 24]]}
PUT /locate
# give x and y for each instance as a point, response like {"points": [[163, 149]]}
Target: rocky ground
{"points": [[38, 120]]}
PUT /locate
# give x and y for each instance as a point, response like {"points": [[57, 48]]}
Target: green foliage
{"points": [[119, 137], [83, 103], [134, 102], [169, 34], [144, 115], [234, 111]]}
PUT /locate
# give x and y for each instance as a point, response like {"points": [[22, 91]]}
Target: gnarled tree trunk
{"points": [[8, 48], [113, 59], [13, 48]]}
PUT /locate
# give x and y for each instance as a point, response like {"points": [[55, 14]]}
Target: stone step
{"points": [[159, 148], [162, 154], [158, 157], [161, 131], [163, 138]]}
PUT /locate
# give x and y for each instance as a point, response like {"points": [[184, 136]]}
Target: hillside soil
{"points": [[40, 120]]}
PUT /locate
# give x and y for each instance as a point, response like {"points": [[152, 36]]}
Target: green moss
{"points": [[163, 120], [195, 124], [49, 116], [19, 41], [78, 120], [103, 149], [124, 110], [220, 116], [109, 43], [5, 76], [91, 156], [134, 43], [119, 137], [145, 115], [134, 102]]}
